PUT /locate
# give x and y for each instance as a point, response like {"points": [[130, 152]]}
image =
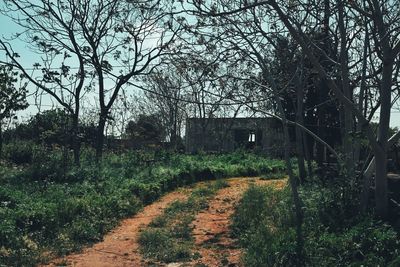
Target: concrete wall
{"points": [[228, 134]]}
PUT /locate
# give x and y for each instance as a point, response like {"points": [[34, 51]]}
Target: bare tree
{"points": [[382, 28], [166, 93], [61, 71], [387, 47], [133, 35], [113, 41]]}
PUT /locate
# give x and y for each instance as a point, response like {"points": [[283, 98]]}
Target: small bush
{"points": [[19, 152]]}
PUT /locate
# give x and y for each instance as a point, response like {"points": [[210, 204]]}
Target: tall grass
{"points": [[264, 224]]}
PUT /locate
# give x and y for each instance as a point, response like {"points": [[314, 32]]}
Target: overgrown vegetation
{"points": [[169, 236], [265, 226], [50, 208]]}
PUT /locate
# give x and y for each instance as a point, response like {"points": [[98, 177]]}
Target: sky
{"points": [[28, 58]]}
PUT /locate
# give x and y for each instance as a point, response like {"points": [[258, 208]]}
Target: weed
{"points": [[221, 183], [158, 244], [160, 221], [182, 228]]}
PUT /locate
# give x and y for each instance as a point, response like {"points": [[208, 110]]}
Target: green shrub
{"points": [[264, 224], [50, 167], [367, 243], [19, 152]]}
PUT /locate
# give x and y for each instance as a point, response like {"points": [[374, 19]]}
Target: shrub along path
{"points": [[120, 247], [210, 230]]}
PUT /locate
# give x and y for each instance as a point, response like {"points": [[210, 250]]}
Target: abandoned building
{"points": [[229, 134]]}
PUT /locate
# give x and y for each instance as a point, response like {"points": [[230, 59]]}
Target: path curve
{"points": [[210, 230], [120, 248]]}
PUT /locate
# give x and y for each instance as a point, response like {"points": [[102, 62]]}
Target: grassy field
{"points": [[48, 207]]}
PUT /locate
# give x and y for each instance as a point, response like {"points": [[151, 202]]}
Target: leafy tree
{"points": [[147, 128], [12, 98], [52, 127]]}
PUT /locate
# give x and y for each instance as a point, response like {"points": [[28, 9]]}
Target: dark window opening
{"points": [[246, 139], [252, 137]]}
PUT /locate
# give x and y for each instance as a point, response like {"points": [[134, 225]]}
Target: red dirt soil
{"points": [[120, 247], [210, 229], [212, 226]]}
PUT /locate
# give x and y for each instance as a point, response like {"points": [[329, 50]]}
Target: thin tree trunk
{"points": [[1, 140], [381, 191], [174, 134], [307, 155], [357, 149], [293, 185], [76, 147], [100, 138], [344, 76], [292, 179], [396, 157], [299, 134]]}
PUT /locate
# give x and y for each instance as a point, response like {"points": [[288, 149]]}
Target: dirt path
{"points": [[119, 247], [210, 229], [211, 226]]}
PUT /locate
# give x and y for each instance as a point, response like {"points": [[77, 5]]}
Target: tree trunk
{"points": [[369, 171], [1, 140], [100, 138], [76, 146], [292, 180], [381, 191], [295, 194], [396, 158], [344, 77], [173, 120], [361, 99], [299, 134], [320, 126], [307, 155], [319, 154]]}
